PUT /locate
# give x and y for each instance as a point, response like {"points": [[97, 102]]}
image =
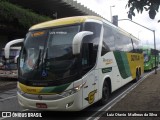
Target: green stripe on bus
{"points": [[123, 65], [126, 64]]}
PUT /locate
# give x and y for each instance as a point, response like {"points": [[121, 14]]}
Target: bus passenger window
{"points": [[87, 55], [105, 49], [108, 40], [90, 45]]}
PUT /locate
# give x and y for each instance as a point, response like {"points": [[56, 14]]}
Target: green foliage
{"points": [[151, 6], [17, 16]]}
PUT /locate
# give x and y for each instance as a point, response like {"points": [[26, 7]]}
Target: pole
{"points": [[155, 52], [111, 13], [137, 24], [154, 39]]}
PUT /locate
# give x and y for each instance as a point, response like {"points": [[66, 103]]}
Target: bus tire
{"points": [[137, 76], [139, 73], [105, 93]]}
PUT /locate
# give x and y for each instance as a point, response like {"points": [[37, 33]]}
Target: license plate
{"points": [[41, 105]]}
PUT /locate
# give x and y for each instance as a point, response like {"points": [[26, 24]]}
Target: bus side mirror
{"points": [[9, 44], [77, 41]]}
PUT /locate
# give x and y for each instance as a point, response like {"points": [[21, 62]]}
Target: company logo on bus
{"points": [[107, 61], [31, 90], [135, 57]]}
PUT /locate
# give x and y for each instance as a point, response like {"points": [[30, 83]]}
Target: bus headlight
{"points": [[72, 91], [68, 93], [19, 90]]}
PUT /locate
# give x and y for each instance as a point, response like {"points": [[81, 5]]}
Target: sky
{"points": [[102, 7]]}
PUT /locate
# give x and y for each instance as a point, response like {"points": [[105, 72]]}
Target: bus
{"points": [[8, 59], [8, 68], [70, 63], [149, 58]]}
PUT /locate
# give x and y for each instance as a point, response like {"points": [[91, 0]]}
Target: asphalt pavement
{"points": [[7, 84]]}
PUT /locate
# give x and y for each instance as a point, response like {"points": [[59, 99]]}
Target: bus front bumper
{"points": [[70, 103]]}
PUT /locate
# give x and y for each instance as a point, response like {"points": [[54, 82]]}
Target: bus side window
{"points": [[136, 46], [90, 45], [108, 40], [105, 49], [123, 42], [87, 55]]}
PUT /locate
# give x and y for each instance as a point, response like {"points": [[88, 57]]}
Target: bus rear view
{"points": [[8, 67]]}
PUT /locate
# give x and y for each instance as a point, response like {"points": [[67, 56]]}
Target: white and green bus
{"points": [[70, 63]]}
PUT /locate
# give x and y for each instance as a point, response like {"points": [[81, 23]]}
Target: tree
{"points": [[151, 6], [17, 16]]}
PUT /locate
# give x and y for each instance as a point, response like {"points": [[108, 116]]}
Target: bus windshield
{"points": [[47, 54], [146, 56]]}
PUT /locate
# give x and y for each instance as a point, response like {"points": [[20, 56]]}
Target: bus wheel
{"points": [[105, 93], [137, 76], [139, 73]]}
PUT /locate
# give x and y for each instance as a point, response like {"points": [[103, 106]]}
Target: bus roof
{"points": [[64, 21], [77, 19]]}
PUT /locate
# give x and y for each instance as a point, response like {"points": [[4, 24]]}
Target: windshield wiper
{"points": [[46, 55], [38, 60], [45, 58]]}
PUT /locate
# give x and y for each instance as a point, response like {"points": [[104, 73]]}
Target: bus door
{"points": [[90, 78]]}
